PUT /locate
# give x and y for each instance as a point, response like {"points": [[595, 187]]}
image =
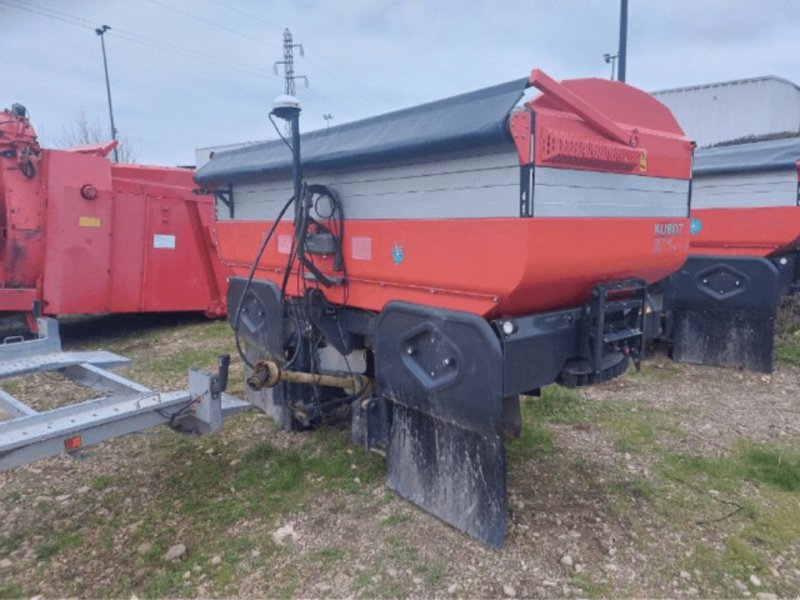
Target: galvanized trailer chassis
{"points": [[125, 407]]}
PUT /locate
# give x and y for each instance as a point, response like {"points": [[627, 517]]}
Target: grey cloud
{"points": [[363, 57]]}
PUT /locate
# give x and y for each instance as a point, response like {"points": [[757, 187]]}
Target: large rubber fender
{"points": [[724, 311], [443, 373], [261, 321]]}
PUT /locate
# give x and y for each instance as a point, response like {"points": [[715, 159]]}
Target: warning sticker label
{"points": [[88, 221], [362, 248], [164, 241], [284, 243]]}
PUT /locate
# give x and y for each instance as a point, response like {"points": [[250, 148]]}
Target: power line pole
{"points": [[288, 65], [101, 31], [623, 38]]}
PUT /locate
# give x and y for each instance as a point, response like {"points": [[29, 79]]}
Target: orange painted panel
{"points": [[486, 266], [746, 231]]}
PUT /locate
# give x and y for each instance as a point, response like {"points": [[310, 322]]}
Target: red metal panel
{"points": [[129, 232], [22, 209], [18, 299], [747, 231], [655, 144], [174, 268], [77, 276], [485, 266]]}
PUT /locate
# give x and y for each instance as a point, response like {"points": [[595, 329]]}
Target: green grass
{"points": [[787, 331], [393, 520], [11, 386], [325, 557], [105, 481], [11, 542], [535, 440], [263, 484], [787, 350], [435, 573], [592, 588], [558, 404], [776, 467], [752, 494], [385, 577], [632, 432], [211, 495], [56, 543], [12, 591], [636, 429], [635, 487]]}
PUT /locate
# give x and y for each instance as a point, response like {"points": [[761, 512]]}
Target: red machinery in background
{"points": [[81, 235], [720, 307]]}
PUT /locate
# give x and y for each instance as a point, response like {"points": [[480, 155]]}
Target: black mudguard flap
{"points": [[724, 311], [456, 474], [443, 372]]}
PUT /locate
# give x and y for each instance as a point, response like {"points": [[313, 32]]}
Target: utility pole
{"points": [[623, 38], [288, 66], [101, 31]]}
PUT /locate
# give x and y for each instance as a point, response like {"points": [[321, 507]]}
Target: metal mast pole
{"points": [[100, 31], [288, 61], [623, 39]]}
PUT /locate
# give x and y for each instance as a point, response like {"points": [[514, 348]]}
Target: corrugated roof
{"points": [[730, 83], [472, 120]]}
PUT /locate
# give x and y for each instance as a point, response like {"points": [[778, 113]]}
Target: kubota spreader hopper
{"points": [[721, 305], [444, 259], [79, 234]]}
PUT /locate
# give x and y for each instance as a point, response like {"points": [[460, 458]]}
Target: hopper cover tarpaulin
{"points": [[473, 120], [771, 155]]}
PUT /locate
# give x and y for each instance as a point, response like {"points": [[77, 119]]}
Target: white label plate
{"points": [[161, 240]]}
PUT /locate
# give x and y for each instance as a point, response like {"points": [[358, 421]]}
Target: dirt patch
{"points": [[714, 406]]}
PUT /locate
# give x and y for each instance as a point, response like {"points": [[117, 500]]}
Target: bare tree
{"points": [[83, 131]]}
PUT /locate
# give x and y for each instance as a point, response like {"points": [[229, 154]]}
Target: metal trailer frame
{"points": [[125, 407]]}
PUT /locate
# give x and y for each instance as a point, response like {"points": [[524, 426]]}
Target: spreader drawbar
{"points": [[464, 252], [27, 434]]}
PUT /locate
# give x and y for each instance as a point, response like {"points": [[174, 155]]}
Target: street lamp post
{"points": [[623, 39], [100, 31], [611, 58]]}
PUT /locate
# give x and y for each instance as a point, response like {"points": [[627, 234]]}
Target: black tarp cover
{"points": [[770, 155], [472, 120]]}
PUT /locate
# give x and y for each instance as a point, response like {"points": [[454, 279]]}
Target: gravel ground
{"points": [[583, 521]]}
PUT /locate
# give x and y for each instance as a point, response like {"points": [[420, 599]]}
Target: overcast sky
{"points": [[195, 73]]}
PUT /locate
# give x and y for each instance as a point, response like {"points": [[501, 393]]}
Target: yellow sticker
{"points": [[89, 221], [643, 161]]}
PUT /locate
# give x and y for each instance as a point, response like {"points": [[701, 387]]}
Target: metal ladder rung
{"points": [[621, 335]]}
